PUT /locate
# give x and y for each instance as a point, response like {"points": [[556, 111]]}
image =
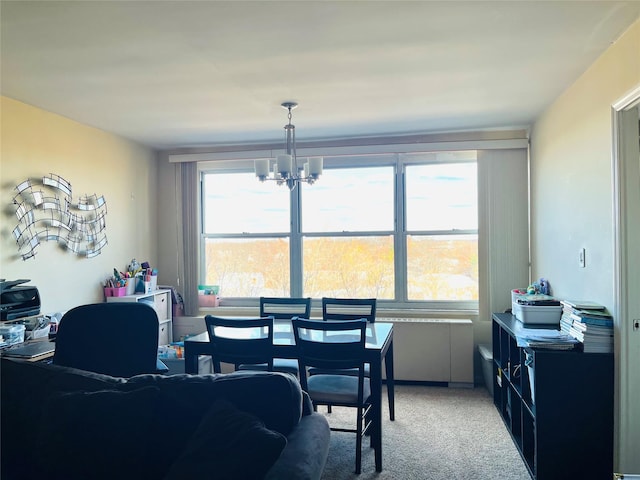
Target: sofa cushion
{"points": [[233, 444], [279, 406], [97, 435]]}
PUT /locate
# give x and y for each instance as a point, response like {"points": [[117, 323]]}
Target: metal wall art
{"points": [[46, 212]]}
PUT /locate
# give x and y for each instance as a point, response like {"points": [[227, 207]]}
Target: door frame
{"points": [[626, 204]]}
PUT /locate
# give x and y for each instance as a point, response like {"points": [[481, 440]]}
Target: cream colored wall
{"points": [[571, 176], [572, 194], [35, 143]]}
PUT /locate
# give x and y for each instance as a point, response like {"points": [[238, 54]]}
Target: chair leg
{"points": [[328, 408], [359, 442]]}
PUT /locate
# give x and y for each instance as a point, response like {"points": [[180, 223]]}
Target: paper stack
{"points": [[590, 323]]}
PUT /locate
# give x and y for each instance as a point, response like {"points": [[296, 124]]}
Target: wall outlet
{"points": [[582, 260]]}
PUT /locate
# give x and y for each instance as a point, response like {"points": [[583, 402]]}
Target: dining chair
{"points": [[335, 345], [349, 308], [118, 339], [352, 309], [240, 341], [282, 308]]}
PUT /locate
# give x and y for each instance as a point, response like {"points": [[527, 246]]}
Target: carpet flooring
{"points": [[439, 434]]}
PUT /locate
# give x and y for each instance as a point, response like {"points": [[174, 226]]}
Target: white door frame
{"points": [[626, 204]]}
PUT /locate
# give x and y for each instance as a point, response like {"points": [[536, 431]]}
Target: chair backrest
{"points": [[349, 309], [330, 344], [240, 340], [285, 308], [118, 339]]}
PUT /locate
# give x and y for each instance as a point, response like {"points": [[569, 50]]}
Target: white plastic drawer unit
{"points": [[160, 301], [161, 304]]}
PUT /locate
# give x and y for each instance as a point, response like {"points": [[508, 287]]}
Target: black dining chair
{"points": [[349, 309], [282, 308], [118, 339], [333, 346], [240, 341], [352, 309]]}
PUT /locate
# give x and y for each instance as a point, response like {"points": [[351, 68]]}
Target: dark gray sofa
{"points": [[60, 422]]}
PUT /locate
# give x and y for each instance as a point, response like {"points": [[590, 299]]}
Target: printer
{"points": [[17, 300]]}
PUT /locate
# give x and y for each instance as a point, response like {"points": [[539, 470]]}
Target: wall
{"points": [[571, 186], [571, 177], [35, 143]]}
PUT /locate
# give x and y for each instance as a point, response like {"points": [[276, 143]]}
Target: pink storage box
{"points": [[115, 291]]}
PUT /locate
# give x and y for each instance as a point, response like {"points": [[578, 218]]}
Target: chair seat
{"points": [[285, 365], [336, 389]]}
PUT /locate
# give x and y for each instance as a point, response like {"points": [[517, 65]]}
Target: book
{"points": [[606, 321], [583, 304]]}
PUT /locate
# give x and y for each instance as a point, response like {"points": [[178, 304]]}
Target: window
{"points": [[246, 235], [441, 234], [402, 228], [347, 233]]}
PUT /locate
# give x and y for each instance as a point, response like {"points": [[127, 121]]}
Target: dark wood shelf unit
{"points": [[566, 430]]}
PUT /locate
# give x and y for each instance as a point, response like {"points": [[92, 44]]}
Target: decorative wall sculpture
{"points": [[46, 212]]}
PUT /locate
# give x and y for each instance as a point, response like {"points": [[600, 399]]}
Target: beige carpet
{"points": [[439, 433]]}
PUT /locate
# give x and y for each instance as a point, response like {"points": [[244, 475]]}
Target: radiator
{"points": [[433, 350]]}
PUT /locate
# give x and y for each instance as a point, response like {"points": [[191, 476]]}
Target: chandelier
{"points": [[286, 170]]}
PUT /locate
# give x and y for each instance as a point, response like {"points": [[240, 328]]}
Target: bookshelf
{"points": [[565, 429]]}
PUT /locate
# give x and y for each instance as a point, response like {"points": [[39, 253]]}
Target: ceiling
{"points": [[176, 74]]}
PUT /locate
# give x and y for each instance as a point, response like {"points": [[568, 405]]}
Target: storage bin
{"points": [[115, 291], [487, 366], [12, 334], [530, 373], [208, 300], [544, 314]]}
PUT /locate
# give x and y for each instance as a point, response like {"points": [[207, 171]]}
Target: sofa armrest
{"points": [[306, 452]]}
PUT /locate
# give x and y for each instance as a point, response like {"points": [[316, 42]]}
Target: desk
{"points": [[379, 347]]}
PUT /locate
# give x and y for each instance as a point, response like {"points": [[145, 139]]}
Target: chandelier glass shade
{"points": [[286, 168]]}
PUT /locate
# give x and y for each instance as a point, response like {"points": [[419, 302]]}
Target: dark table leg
{"points": [[388, 364], [376, 394]]}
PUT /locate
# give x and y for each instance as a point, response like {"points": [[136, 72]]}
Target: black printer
{"points": [[18, 301]]}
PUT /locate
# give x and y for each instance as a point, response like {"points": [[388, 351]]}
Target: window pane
{"points": [[349, 200], [248, 268], [442, 267], [239, 203], [348, 267], [442, 197]]}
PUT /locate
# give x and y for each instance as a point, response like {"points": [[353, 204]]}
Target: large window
{"points": [[401, 228], [441, 231], [246, 237]]}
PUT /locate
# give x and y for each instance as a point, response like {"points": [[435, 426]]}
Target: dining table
{"points": [[378, 351]]}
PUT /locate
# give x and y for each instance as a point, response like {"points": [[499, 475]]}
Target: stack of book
{"points": [[590, 323]]}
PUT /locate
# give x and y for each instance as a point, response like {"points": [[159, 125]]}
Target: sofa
{"points": [[64, 423]]}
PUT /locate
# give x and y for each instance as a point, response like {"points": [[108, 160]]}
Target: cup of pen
{"points": [[131, 285]]}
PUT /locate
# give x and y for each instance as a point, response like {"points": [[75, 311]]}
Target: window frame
{"points": [[398, 161]]}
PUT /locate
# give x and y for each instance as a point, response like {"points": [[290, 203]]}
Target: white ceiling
{"points": [[173, 74]]}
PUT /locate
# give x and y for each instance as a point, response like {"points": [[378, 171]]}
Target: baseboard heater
{"points": [[433, 350]]}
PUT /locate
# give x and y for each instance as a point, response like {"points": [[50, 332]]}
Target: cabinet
{"points": [[160, 300], [559, 410]]}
